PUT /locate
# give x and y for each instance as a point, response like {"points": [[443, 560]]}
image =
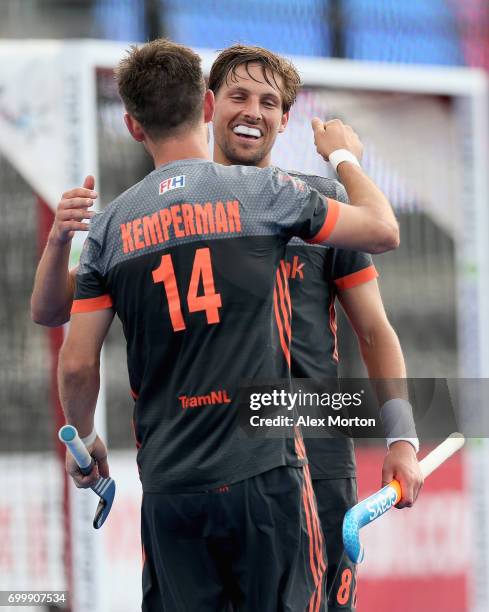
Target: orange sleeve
{"points": [[357, 278], [91, 304]]}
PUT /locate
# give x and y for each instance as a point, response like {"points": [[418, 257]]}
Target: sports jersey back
{"points": [[189, 258], [316, 274]]}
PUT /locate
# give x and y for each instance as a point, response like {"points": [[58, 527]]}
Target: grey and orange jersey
{"points": [[316, 273], [192, 260]]}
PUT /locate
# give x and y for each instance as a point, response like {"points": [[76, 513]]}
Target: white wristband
{"points": [[398, 421], [342, 155], [90, 439], [413, 441]]}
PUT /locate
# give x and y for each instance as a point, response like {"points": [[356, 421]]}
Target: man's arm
{"points": [[79, 382], [369, 224], [383, 358], [54, 284]]}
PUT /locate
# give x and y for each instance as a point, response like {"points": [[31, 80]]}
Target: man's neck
{"points": [[192, 146], [220, 158]]}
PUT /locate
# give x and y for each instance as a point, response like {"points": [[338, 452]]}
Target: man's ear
{"points": [[283, 122], [209, 104], [134, 127]]}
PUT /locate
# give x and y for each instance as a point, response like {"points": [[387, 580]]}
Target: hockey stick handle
{"points": [[69, 436], [441, 453]]}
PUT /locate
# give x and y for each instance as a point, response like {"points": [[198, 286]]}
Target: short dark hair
{"points": [[229, 59], [162, 86]]}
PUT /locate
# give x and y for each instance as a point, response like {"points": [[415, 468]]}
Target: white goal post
{"points": [[48, 133]]}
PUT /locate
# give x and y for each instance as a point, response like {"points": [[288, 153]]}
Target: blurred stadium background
{"points": [[419, 148]]}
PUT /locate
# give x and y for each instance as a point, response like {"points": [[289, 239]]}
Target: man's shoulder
{"points": [[123, 198], [243, 172], [246, 181], [161, 181], [329, 187]]}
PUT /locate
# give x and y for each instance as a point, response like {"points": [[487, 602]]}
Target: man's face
{"points": [[248, 116]]}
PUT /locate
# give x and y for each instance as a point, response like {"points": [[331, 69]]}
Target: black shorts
{"points": [[252, 546], [334, 497]]}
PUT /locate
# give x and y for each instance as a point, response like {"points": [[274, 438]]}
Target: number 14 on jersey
{"points": [[209, 301]]}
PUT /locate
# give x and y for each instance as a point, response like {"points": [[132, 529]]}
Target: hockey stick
{"points": [[379, 503], [104, 487]]}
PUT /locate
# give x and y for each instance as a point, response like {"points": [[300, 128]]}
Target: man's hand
{"points": [[53, 291], [401, 463], [333, 135], [72, 210], [98, 451]]}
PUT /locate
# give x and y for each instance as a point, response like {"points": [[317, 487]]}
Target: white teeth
{"points": [[247, 131]]}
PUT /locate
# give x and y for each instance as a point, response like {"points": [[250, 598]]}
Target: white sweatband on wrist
{"points": [[342, 155], [90, 439], [398, 421]]}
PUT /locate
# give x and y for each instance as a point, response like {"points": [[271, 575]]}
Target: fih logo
{"points": [[175, 182]]}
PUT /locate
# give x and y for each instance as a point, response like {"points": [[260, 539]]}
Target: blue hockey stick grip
{"points": [[69, 436]]}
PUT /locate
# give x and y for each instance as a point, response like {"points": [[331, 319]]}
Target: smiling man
{"points": [[252, 107], [255, 90]]}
